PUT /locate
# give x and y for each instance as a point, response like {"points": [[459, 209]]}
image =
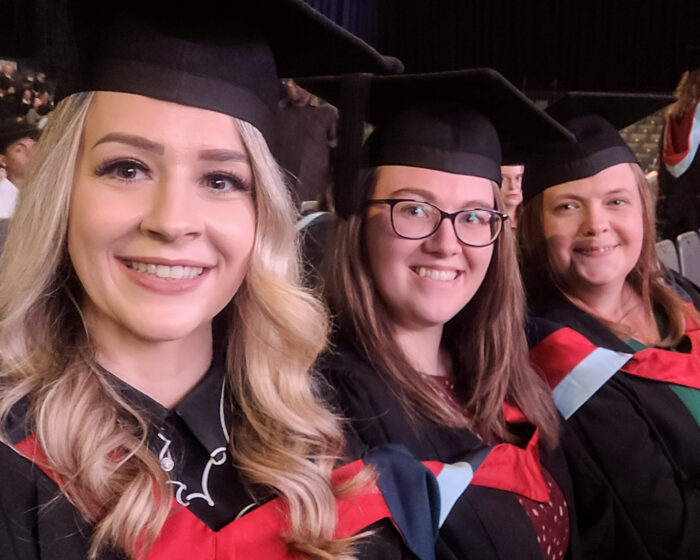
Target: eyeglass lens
{"points": [[416, 220]]}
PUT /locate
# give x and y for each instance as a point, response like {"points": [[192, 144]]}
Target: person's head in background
{"points": [[512, 189], [296, 94], [17, 140]]}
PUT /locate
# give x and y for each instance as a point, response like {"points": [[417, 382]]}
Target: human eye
{"points": [[222, 182], [618, 202], [122, 170], [476, 217], [414, 209], [565, 207]]}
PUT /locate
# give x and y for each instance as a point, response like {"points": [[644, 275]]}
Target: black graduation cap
{"points": [[449, 121], [222, 56], [12, 130], [594, 119]]}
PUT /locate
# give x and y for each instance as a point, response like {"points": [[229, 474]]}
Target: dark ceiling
{"points": [[633, 45]]}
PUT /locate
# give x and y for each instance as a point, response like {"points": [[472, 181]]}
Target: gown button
{"points": [[167, 464]]}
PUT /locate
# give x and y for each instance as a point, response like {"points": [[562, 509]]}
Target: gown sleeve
{"points": [[653, 506]]}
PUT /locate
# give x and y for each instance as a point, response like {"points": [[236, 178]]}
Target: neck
{"points": [[606, 301], [166, 371], [16, 181], [422, 349], [625, 308]]}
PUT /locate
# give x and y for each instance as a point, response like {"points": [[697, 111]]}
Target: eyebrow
{"points": [[132, 140], [223, 155], [574, 196], [429, 197], [145, 144]]}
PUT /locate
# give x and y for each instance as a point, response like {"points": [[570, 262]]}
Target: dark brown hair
{"points": [[486, 339], [688, 94]]}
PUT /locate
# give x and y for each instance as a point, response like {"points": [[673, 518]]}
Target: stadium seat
{"points": [[668, 255], [688, 244]]}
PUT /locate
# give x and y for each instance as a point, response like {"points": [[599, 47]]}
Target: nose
{"points": [[444, 241], [596, 220], [172, 212]]}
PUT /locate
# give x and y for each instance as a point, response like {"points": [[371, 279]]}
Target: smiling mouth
{"points": [[442, 275], [176, 272], [596, 250]]}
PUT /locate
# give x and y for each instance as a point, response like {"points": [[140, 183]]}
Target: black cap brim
{"points": [[449, 121], [594, 119], [226, 58]]}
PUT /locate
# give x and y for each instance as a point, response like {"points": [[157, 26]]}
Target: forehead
{"points": [[436, 186], [171, 124], [512, 170], [618, 178]]}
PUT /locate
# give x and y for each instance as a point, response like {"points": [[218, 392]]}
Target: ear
{"points": [[3, 160]]}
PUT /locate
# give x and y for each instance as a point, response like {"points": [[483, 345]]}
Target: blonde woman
{"points": [[155, 395], [621, 346], [430, 349]]}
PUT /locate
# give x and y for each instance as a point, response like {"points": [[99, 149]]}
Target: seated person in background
{"points": [[17, 139], [618, 341], [420, 272], [512, 189], [305, 134]]}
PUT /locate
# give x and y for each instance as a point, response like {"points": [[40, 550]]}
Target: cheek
{"points": [[385, 250], [234, 232]]}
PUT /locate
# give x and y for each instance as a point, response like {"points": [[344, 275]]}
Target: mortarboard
{"points": [[594, 120], [222, 56], [449, 121]]}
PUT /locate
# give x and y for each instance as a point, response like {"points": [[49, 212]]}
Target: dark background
{"points": [[633, 45]]}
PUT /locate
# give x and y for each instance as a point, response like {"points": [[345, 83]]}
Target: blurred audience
{"points": [[17, 139]]}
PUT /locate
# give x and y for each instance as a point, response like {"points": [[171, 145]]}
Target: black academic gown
{"points": [[485, 522], [216, 515], [632, 445]]}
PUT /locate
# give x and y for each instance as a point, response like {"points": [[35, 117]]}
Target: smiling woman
{"points": [[429, 349], [156, 393], [160, 232], [615, 335]]}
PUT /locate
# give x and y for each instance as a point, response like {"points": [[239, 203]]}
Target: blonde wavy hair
{"points": [[646, 278], [94, 441], [486, 339]]}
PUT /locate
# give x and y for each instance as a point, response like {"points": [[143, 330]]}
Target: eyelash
{"points": [[112, 167], [238, 184]]}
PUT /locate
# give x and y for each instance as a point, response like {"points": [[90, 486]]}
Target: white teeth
{"points": [[163, 271], [597, 249], [444, 275]]}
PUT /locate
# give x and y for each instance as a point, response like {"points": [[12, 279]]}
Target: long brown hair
{"points": [[646, 278], [688, 94], [486, 339]]}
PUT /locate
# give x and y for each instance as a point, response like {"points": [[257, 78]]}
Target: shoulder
{"points": [[684, 288]]}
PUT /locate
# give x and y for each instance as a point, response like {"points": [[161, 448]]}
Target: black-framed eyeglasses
{"points": [[418, 219]]}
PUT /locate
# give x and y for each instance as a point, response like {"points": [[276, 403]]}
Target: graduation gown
{"points": [[216, 514], [486, 520], [632, 442]]}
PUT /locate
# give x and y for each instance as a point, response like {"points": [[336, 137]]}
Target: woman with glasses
{"points": [[429, 349], [617, 337]]}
